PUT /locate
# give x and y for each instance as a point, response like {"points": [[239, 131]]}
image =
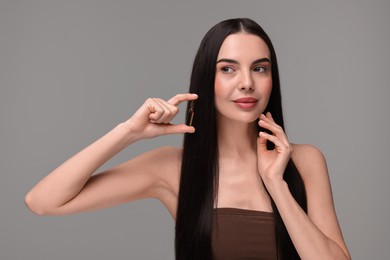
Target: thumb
{"points": [[261, 143], [179, 129]]}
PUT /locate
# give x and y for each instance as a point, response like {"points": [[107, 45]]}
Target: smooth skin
{"points": [[249, 173]]}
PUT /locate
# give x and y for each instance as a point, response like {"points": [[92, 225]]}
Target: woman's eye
{"points": [[227, 69], [260, 69]]}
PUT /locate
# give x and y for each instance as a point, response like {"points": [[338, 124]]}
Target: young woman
{"points": [[238, 189]]}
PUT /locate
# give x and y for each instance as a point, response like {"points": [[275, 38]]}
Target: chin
{"points": [[241, 118], [238, 115], [249, 116], [250, 120]]}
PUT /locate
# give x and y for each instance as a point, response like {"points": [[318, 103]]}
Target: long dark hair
{"points": [[199, 169]]}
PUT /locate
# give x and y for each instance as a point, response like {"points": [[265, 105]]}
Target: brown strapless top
{"points": [[243, 234]]}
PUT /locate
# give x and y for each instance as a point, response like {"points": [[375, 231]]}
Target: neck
{"points": [[236, 139]]}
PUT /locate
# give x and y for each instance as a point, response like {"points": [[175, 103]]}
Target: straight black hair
{"points": [[199, 170]]}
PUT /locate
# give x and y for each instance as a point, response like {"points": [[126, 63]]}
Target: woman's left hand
{"points": [[272, 163]]}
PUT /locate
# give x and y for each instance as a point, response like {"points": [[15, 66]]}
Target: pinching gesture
{"points": [[154, 116], [272, 163]]}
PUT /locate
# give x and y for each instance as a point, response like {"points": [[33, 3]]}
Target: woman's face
{"points": [[243, 78]]}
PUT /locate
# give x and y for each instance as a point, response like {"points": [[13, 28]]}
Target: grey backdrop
{"points": [[71, 70]]}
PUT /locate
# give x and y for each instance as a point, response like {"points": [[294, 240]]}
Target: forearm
{"points": [[308, 240], [66, 181]]}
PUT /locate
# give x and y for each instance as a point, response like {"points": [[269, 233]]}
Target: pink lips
{"points": [[245, 103]]}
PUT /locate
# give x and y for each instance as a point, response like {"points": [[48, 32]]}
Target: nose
{"points": [[246, 83]]}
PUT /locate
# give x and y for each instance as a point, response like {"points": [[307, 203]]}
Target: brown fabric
{"points": [[243, 234]]}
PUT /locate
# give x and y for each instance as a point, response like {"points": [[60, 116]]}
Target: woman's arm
{"points": [[70, 188], [315, 235]]}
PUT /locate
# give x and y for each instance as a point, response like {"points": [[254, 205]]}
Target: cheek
{"points": [[218, 87], [223, 87], [267, 87]]}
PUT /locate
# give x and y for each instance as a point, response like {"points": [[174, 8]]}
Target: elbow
{"points": [[33, 206]]}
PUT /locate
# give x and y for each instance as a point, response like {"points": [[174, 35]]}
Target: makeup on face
{"points": [[243, 79], [246, 102], [233, 65], [236, 62]]}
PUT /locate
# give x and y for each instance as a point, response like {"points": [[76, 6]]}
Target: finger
{"points": [[281, 149], [261, 144], [169, 111], [274, 128], [269, 124], [174, 109], [279, 145], [178, 129], [269, 115], [156, 110], [267, 118], [179, 98]]}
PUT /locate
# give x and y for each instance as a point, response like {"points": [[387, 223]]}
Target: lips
{"points": [[246, 102]]}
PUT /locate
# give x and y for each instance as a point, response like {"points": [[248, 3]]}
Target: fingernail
{"points": [[262, 116]]}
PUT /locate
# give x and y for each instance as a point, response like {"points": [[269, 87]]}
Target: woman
{"points": [[237, 189]]}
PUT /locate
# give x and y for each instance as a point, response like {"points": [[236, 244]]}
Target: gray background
{"points": [[71, 70]]}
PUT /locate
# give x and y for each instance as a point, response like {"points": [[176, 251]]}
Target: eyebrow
{"points": [[236, 62]]}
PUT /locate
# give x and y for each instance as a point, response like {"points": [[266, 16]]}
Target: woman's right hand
{"points": [[71, 187], [154, 116]]}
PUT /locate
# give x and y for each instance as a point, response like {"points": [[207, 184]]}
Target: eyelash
{"points": [[226, 67], [264, 68]]}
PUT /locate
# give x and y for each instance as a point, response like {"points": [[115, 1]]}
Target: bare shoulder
{"points": [[310, 161], [311, 164]]}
